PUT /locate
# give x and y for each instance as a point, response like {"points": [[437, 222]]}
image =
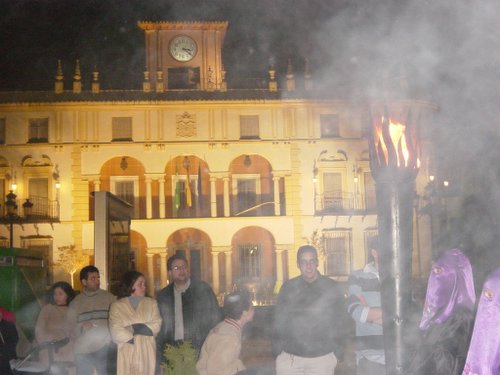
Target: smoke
{"points": [[448, 52]]}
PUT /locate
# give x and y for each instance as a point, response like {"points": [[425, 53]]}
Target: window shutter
{"points": [[249, 127], [122, 129]]}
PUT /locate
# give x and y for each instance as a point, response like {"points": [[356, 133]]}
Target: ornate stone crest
{"points": [[186, 125]]}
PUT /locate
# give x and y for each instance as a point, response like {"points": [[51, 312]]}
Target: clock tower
{"points": [[184, 55]]}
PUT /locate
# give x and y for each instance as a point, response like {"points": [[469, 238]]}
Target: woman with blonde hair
{"points": [[134, 321]]}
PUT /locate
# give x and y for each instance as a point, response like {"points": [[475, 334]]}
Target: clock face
{"points": [[182, 48]]}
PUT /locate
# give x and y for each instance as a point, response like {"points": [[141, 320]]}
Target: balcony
{"points": [[42, 210], [345, 203]]}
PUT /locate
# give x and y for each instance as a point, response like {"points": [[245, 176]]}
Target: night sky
{"points": [[449, 49], [104, 33]]}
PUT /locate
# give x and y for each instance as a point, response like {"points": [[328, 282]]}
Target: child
{"points": [[221, 350]]}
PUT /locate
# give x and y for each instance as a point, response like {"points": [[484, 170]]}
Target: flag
{"points": [[187, 191], [200, 192], [177, 196], [177, 193]]}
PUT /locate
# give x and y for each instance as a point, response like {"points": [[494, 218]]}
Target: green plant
{"points": [[180, 359]]}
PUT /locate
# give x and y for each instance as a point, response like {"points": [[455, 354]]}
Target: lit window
{"points": [[38, 130], [39, 196], [330, 126], [249, 127], [370, 195], [250, 260], [337, 245], [122, 129], [246, 194], [4, 242], [332, 190], [370, 236], [127, 189]]}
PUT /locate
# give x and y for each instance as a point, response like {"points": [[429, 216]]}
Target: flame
{"points": [[398, 141]]}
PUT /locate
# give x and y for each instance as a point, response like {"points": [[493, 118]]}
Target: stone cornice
{"points": [[194, 25]]}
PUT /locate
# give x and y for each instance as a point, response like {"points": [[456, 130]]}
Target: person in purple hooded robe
{"points": [[484, 351], [447, 318]]}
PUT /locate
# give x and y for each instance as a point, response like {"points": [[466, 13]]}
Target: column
{"points": [[215, 272], [163, 270], [150, 275], [149, 199], [279, 270], [226, 197], [229, 271], [161, 193], [213, 196], [97, 185], [277, 204]]}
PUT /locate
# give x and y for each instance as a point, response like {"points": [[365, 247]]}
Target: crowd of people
{"points": [[131, 333]]}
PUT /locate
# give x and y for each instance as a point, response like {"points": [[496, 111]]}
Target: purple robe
{"points": [[450, 285], [484, 350]]}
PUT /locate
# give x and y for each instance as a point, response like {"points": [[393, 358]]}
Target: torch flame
{"points": [[397, 138]]}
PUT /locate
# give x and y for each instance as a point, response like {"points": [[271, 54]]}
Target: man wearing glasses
{"points": [[310, 321], [188, 308]]}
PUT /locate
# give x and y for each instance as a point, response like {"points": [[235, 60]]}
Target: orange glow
{"points": [[397, 137]]}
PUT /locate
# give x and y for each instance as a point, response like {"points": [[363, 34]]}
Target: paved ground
{"points": [[256, 353]]}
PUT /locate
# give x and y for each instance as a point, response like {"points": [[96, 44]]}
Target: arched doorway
{"points": [[254, 261], [195, 245]]}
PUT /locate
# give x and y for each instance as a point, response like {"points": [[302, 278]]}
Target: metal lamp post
{"points": [[11, 215], [11, 207], [394, 163]]}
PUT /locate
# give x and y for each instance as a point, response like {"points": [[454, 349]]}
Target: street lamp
{"points": [[11, 216], [27, 208], [394, 163]]}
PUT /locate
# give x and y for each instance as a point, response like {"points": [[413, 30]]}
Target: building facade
{"points": [[236, 179]]}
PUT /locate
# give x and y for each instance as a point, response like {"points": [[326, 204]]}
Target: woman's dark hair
{"points": [[127, 285], [235, 303], [66, 289]]}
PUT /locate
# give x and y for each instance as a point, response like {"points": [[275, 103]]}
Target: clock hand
{"points": [[190, 52]]}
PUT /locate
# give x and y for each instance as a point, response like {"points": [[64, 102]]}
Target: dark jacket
{"points": [[8, 342], [200, 310], [310, 318], [443, 347]]}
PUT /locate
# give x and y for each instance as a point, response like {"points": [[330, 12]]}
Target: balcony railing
{"points": [[345, 203], [202, 208], [44, 209]]}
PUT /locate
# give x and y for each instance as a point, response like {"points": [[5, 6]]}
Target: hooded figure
{"points": [[447, 318], [450, 285], [484, 351]]}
